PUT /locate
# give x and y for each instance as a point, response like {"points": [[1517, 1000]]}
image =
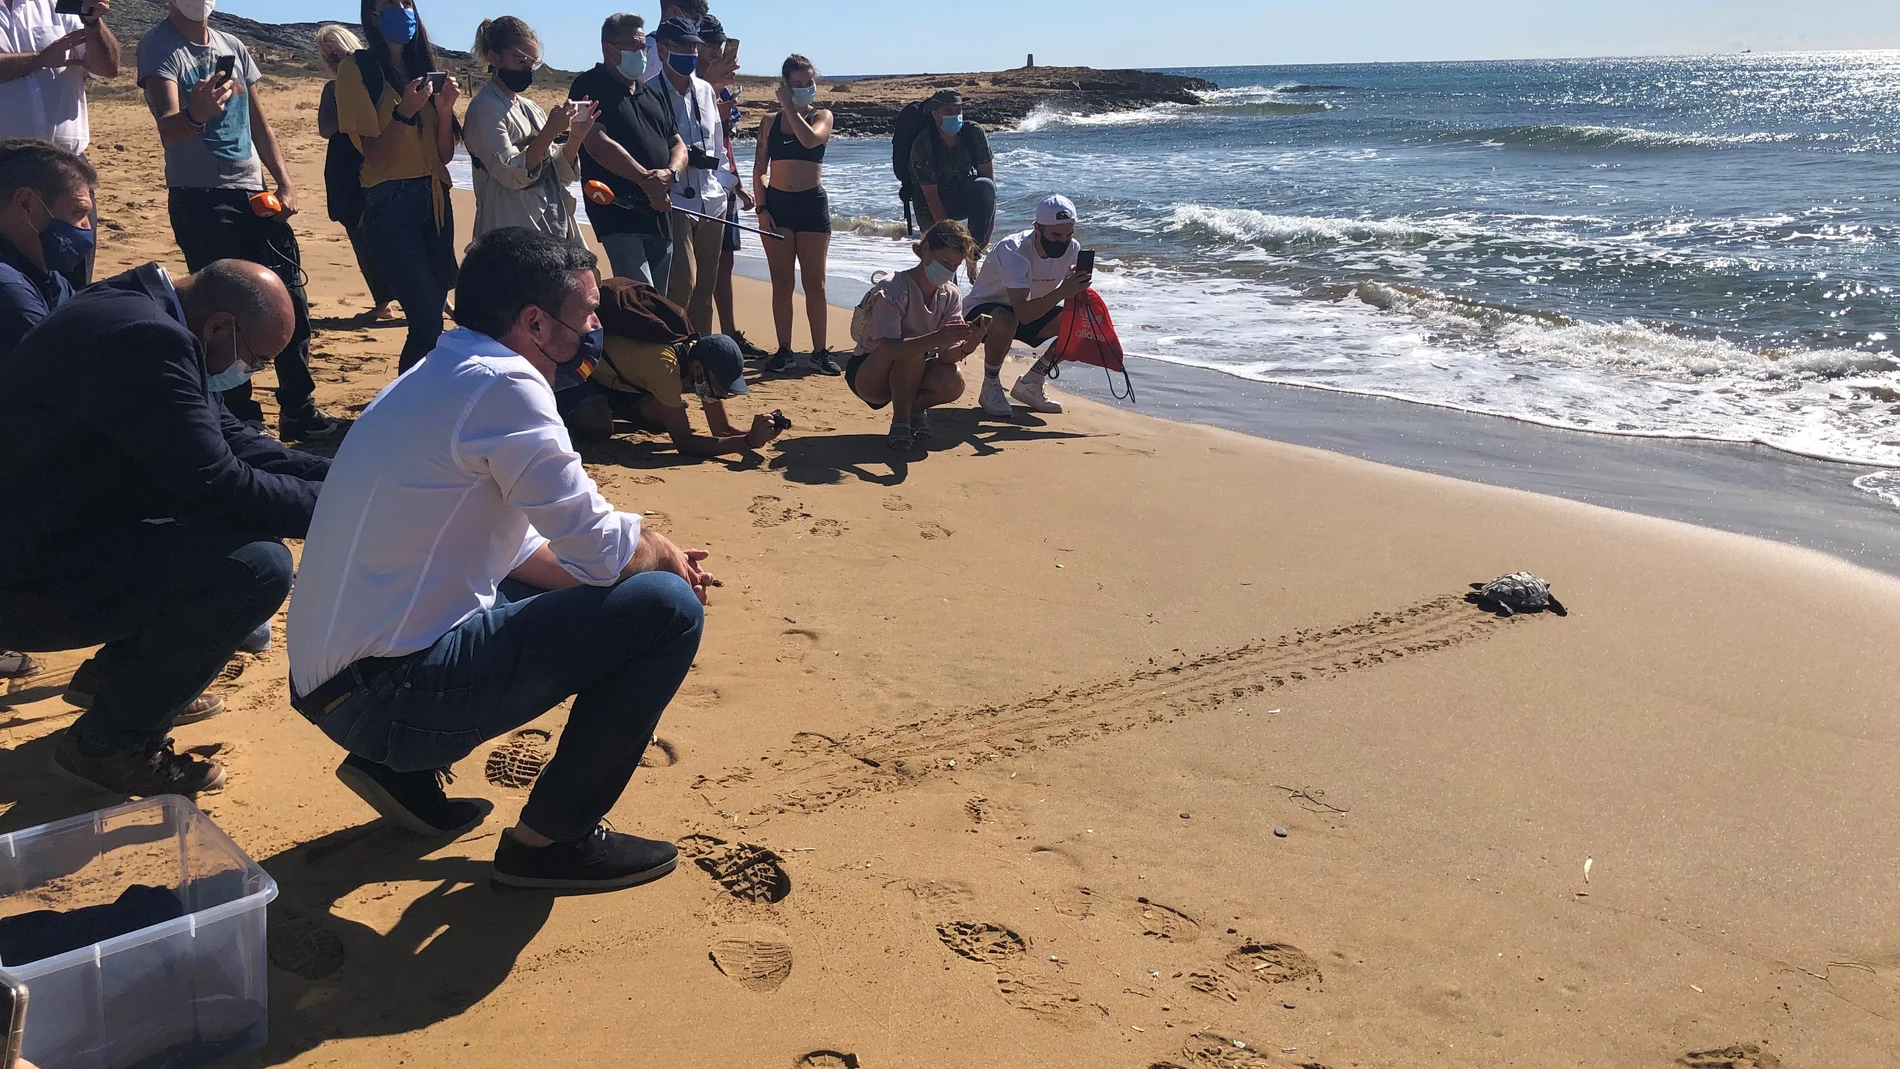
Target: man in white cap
{"points": [[1022, 287]]}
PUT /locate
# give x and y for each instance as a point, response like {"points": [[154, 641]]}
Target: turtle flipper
{"points": [[1558, 607], [1505, 610]]}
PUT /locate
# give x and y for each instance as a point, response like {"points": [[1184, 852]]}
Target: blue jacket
{"points": [[27, 295], [105, 420]]}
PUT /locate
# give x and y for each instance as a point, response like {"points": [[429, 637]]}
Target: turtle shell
{"points": [[1519, 590]]}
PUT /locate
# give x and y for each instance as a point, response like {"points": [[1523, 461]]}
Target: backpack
{"points": [[635, 311], [913, 122], [861, 315]]}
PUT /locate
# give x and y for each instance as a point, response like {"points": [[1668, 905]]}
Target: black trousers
{"points": [[218, 224]]}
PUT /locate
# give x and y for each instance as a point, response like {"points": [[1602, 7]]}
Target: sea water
{"points": [[1684, 247]]}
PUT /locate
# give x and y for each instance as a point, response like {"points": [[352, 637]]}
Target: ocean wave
{"points": [[1884, 485], [1250, 227], [1045, 117], [1563, 136], [869, 226]]}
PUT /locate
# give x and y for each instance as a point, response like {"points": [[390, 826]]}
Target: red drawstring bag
{"points": [[1087, 336]]}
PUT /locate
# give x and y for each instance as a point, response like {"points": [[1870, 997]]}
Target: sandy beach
{"points": [[987, 753]]}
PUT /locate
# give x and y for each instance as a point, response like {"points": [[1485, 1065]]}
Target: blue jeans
{"points": [[644, 258], [170, 601], [978, 202], [416, 257], [620, 652]]}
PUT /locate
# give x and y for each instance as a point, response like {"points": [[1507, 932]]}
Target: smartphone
{"points": [[12, 1019], [227, 66], [68, 7], [1085, 262], [732, 47], [437, 79]]}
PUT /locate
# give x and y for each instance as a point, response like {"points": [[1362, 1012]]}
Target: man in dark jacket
{"points": [[140, 513]]}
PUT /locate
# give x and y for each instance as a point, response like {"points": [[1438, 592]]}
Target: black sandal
{"points": [[901, 438]]}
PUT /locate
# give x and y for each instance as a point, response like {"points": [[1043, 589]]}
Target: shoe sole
{"points": [[84, 701], [387, 807], [619, 883], [1045, 409], [68, 774]]}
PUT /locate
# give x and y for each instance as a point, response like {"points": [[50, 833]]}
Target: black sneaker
{"points": [[313, 426], [413, 801], [17, 665], [780, 363], [825, 364], [139, 775], [604, 861], [751, 351]]}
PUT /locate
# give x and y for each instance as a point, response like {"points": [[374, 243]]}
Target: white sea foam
{"points": [[1882, 484], [1246, 226]]}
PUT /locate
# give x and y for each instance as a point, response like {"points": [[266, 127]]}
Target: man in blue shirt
{"points": [[45, 230]]}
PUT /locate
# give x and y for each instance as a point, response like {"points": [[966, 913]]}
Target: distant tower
{"points": [[1031, 63]]}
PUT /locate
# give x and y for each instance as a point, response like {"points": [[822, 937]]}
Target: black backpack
{"points": [[913, 122]]}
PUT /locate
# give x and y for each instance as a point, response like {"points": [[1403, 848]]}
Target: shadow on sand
{"points": [[822, 460]]}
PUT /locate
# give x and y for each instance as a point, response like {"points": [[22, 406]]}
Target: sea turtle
{"points": [[1511, 594]]}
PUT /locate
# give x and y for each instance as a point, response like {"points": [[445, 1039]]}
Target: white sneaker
{"points": [[1030, 393], [994, 400]]}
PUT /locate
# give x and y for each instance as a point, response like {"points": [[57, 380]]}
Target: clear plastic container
{"points": [[176, 995]]}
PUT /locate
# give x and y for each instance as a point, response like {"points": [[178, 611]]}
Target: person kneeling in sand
{"points": [[463, 576], [140, 513], [639, 376], [1022, 287], [913, 335]]}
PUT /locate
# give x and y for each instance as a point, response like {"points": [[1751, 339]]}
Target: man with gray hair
{"points": [[634, 150], [141, 514]]}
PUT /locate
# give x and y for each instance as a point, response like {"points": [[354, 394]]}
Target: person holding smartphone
{"points": [[915, 336], [201, 86], [1021, 287], [49, 49], [522, 172], [399, 109]]}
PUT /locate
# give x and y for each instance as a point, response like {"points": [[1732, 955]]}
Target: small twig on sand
{"points": [[1310, 799]]}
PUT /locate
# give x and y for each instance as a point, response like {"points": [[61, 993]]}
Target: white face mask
{"points": [[195, 10]]}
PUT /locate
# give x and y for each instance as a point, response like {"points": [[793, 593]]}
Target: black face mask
{"points": [[1052, 249], [514, 81]]}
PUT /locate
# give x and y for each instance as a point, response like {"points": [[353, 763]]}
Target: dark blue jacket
{"points": [[105, 420], [27, 295]]}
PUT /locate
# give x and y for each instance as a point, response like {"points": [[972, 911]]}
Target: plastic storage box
{"points": [[180, 994]]}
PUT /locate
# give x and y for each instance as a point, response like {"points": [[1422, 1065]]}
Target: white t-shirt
{"points": [[47, 104], [696, 115], [1015, 263], [454, 475]]}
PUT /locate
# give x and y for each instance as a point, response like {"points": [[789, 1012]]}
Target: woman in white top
{"points": [[913, 336], [521, 176]]}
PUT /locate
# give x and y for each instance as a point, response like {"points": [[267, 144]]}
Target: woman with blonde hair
{"points": [[343, 169], [521, 175]]}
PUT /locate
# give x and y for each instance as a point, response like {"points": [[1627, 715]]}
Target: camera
{"points": [[700, 159], [779, 421]]}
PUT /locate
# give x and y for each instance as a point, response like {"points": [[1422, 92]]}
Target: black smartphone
{"points": [[227, 66], [437, 79], [1085, 262], [70, 7], [12, 1019]]}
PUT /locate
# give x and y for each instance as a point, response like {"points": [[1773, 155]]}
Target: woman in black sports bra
{"points": [[787, 167]]}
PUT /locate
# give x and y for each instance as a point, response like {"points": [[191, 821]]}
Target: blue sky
{"points": [[881, 36]]}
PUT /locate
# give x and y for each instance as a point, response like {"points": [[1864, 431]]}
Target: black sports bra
{"points": [[783, 146]]}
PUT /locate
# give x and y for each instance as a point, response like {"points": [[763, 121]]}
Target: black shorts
{"points": [[805, 212], [1030, 334], [851, 369]]}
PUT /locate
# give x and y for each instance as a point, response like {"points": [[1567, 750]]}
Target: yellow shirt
{"points": [[357, 116], [642, 367]]}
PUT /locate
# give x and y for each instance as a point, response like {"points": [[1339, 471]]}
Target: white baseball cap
{"points": [[1055, 210]]}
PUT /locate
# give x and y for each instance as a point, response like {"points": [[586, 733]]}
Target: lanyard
{"points": [[700, 140]]}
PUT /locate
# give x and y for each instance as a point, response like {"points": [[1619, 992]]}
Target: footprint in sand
{"points": [[1273, 963], [1209, 1051], [829, 528], [991, 944], [517, 762], [306, 949], [979, 810], [232, 671], [932, 532], [747, 872], [827, 1059], [1741, 1056], [769, 511], [648, 480], [760, 960], [896, 504], [1050, 999], [1215, 984], [1164, 922], [660, 754]]}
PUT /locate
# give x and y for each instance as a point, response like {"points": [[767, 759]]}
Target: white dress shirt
{"points": [[457, 472], [47, 104], [696, 114]]}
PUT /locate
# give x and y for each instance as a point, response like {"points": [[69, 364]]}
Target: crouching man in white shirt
{"points": [[463, 576]]}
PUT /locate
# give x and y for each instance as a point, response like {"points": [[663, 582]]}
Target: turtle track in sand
{"points": [[817, 771]]}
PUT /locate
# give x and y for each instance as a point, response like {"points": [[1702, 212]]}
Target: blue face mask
{"points": [[399, 25], [683, 63], [64, 245], [230, 378], [633, 64], [952, 124], [939, 275], [804, 95], [593, 344]]}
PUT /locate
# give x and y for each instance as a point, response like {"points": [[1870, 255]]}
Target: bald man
{"points": [[141, 514]]}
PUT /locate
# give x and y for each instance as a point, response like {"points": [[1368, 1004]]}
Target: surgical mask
{"points": [[399, 25], [939, 275], [683, 63], [64, 245], [515, 81], [952, 124], [196, 10], [230, 378], [804, 95], [633, 64]]}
